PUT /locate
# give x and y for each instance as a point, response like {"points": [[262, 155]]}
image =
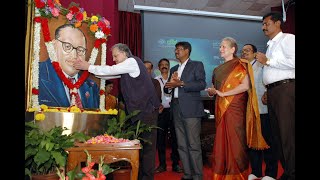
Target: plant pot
{"points": [[122, 174], [51, 176]]}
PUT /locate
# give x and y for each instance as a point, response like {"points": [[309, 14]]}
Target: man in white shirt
{"points": [[139, 94], [268, 155], [279, 78], [166, 124]]}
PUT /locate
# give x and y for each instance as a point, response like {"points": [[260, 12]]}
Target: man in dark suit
{"points": [[69, 45], [187, 79]]}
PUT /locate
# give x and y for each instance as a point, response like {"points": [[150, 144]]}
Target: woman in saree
{"points": [[237, 118], [111, 101]]}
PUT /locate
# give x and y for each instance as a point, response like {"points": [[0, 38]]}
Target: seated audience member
{"points": [[111, 101]]}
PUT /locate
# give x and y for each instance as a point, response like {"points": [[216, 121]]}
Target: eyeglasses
{"points": [[178, 49], [246, 50], [67, 47]]}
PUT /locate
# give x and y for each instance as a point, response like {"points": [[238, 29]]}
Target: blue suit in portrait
{"points": [[52, 91]]}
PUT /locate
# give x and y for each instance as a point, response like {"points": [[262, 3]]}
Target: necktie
{"points": [[77, 96]]}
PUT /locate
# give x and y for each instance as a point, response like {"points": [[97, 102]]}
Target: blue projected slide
{"points": [[161, 31]]}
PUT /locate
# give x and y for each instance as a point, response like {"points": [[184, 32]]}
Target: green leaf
{"points": [[49, 146], [29, 152], [72, 174], [59, 158], [145, 140], [41, 157], [132, 114], [80, 136], [27, 172], [45, 149], [106, 169]]}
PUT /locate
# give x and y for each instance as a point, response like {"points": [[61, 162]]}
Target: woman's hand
{"points": [[219, 93], [264, 98], [213, 91]]}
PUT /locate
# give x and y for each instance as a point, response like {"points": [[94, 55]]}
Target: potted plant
{"points": [[121, 127], [45, 150]]}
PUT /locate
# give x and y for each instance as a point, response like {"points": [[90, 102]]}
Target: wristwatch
{"points": [[268, 62], [182, 84]]}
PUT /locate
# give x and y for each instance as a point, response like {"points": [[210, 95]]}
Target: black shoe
{"points": [[160, 169], [185, 178], [177, 168]]}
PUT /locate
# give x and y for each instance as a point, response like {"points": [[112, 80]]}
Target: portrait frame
{"points": [[42, 21]]}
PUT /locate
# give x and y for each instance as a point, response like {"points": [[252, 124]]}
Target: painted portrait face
{"points": [[226, 52], [118, 56], [70, 46]]}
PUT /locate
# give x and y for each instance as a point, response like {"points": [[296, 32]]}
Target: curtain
{"points": [[130, 31]]}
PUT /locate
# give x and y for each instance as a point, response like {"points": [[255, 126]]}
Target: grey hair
{"points": [[123, 48], [233, 43]]}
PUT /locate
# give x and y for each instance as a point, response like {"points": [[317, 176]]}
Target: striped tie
{"points": [[77, 96]]}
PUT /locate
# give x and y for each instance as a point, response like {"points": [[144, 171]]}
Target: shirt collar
{"points": [[184, 63], [274, 39], [75, 76]]}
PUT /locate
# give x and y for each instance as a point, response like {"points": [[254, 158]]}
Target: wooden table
{"points": [[112, 152]]}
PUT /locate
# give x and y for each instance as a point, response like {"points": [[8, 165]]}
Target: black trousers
{"points": [[148, 151], [268, 155], [165, 122], [281, 108]]}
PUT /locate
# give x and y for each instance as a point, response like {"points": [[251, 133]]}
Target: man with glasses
{"points": [[268, 155], [138, 93], [69, 46]]}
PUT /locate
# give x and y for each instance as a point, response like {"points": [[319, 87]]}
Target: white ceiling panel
{"points": [[242, 7]]}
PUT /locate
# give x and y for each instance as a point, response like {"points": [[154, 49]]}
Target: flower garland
{"points": [[97, 25], [35, 63], [102, 105]]}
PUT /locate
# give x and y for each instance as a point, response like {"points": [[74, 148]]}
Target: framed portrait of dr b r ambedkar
{"points": [[56, 38]]}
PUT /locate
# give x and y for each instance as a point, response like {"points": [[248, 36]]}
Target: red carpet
{"points": [[207, 174]]}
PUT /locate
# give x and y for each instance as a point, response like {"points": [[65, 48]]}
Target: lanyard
{"points": [[161, 80], [254, 62]]}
